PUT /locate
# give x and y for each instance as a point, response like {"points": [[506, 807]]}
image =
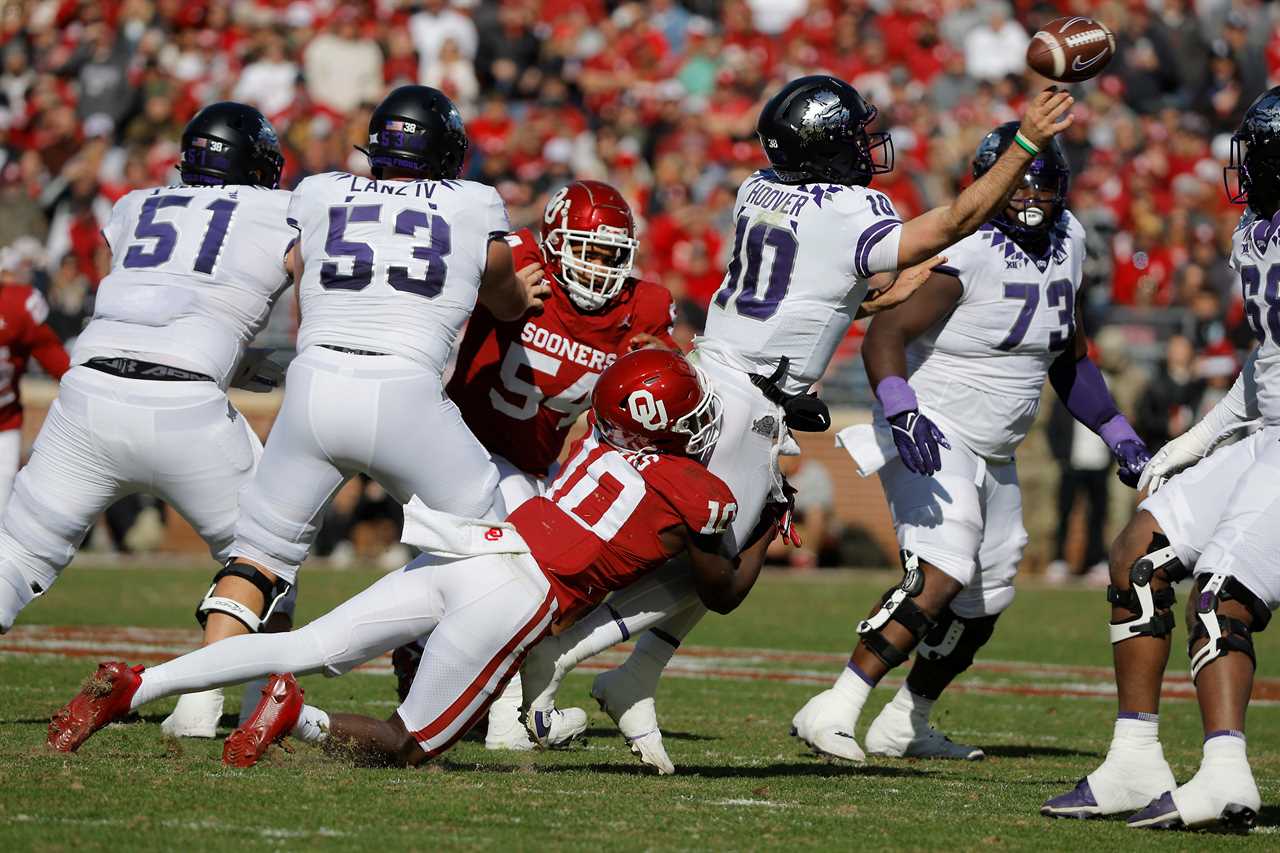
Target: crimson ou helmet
{"points": [[656, 400], [583, 216]]}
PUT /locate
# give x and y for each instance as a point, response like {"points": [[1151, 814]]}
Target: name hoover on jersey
{"points": [[554, 343], [777, 199]]}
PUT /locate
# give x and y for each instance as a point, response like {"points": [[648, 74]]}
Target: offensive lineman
{"points": [[195, 270], [389, 269], [976, 345], [632, 495], [1215, 521], [771, 331], [522, 384]]}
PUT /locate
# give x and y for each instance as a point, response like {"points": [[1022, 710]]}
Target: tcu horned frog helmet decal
{"points": [[656, 400], [589, 242]]}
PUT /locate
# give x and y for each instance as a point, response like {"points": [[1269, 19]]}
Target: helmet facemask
{"points": [[1257, 180], [702, 425], [1036, 205], [594, 265]]}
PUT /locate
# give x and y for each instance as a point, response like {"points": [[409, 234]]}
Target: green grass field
{"points": [[1040, 706]]}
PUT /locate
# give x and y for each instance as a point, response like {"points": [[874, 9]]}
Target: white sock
{"points": [[313, 725], [1136, 731], [651, 656], [152, 687], [1225, 748], [851, 687], [589, 636], [912, 703]]}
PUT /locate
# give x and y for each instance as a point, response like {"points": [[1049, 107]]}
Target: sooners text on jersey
{"points": [[599, 527], [522, 384]]}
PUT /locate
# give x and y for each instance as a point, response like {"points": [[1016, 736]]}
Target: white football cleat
{"points": [[196, 715], [506, 730], [635, 713], [554, 728], [1220, 795], [899, 734], [1126, 781], [824, 725]]}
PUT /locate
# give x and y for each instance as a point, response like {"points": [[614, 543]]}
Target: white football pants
{"points": [[10, 459], [479, 615], [106, 437], [343, 414]]}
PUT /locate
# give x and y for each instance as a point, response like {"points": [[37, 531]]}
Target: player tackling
{"points": [[632, 494], [809, 235]]}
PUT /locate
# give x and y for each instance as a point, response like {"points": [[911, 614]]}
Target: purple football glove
{"points": [[1131, 457], [917, 439]]}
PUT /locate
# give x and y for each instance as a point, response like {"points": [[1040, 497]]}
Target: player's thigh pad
{"points": [[281, 505], [746, 455], [1246, 542], [1189, 506], [494, 608], [939, 518], [1003, 540]]}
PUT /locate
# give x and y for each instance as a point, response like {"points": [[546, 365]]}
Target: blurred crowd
{"points": [[658, 97]]}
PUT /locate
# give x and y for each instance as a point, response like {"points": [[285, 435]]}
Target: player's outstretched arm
{"points": [[1079, 384], [933, 231], [507, 293], [898, 289], [723, 584]]}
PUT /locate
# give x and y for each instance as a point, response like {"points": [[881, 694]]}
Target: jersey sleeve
{"points": [[297, 203], [498, 223], [876, 230], [657, 314], [42, 342], [524, 248], [700, 499], [115, 231]]}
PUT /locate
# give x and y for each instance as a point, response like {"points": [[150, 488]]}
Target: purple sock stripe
{"points": [[1138, 715], [622, 626], [665, 637], [1224, 733], [857, 670]]}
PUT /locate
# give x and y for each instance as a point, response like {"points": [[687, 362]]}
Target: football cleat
{"points": [[1163, 813], [506, 731], [621, 695], [274, 718], [555, 729], [1220, 796], [1119, 786], [103, 699], [897, 734], [196, 715], [823, 724]]}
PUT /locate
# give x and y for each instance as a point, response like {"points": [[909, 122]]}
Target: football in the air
{"points": [[1071, 49]]}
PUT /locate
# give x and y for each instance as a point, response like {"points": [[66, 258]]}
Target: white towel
{"points": [[870, 448], [446, 535]]}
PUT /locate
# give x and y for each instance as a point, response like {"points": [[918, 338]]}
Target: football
{"points": [[1071, 49]]}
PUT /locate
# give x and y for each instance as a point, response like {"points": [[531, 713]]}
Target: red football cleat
{"points": [[276, 715], [103, 699]]}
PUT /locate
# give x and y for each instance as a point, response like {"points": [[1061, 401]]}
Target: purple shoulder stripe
{"points": [[868, 240]]}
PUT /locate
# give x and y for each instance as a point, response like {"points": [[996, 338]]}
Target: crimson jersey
{"points": [[522, 384], [599, 527], [23, 334]]}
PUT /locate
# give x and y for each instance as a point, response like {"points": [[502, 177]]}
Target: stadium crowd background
{"points": [[660, 98]]}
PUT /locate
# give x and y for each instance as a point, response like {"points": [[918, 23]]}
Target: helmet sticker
{"points": [[647, 410]]}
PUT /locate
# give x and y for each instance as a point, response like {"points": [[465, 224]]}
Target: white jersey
{"points": [[1255, 255], [980, 371], [194, 273], [392, 266], [802, 255]]}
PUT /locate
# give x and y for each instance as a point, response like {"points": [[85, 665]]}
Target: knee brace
{"points": [[1224, 634], [272, 593], [1154, 607], [897, 605], [955, 639]]}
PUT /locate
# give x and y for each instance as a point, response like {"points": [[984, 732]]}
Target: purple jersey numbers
{"points": [[408, 223], [165, 234], [783, 245], [1059, 295], [1255, 302]]}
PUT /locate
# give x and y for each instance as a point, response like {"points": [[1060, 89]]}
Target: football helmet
{"points": [[655, 400], [418, 129], [589, 242], [1048, 173], [815, 129], [1255, 157], [230, 143]]}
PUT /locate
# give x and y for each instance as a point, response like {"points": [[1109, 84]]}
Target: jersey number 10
{"points": [[749, 302]]}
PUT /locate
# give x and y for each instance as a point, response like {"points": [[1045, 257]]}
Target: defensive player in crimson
{"points": [[814, 247], [522, 384], [976, 344], [633, 494], [24, 335]]}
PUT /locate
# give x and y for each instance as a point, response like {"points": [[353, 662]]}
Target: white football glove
{"points": [[1184, 451], [257, 372]]}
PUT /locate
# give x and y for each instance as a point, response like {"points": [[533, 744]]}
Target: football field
{"points": [[1040, 702]]}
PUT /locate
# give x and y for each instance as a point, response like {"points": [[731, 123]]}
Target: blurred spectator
{"points": [[1167, 408], [343, 70], [995, 47], [436, 24], [814, 513], [1084, 465], [270, 82]]}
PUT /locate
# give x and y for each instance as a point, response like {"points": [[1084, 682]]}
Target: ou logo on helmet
{"points": [[647, 410], [557, 206]]}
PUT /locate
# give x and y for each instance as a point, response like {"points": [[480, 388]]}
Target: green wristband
{"points": [[1025, 144]]}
